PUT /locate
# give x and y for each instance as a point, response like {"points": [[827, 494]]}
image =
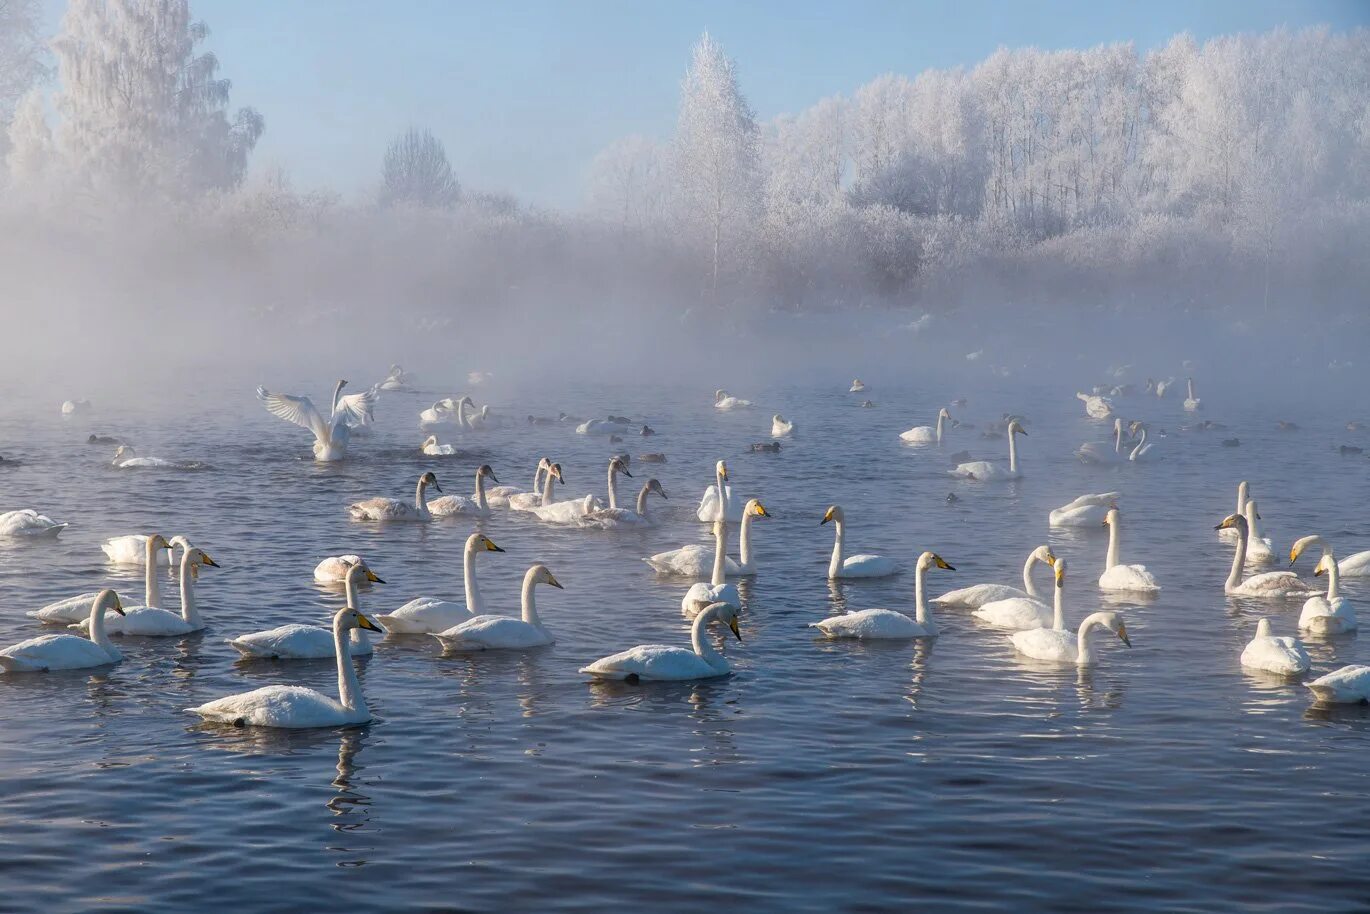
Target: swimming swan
{"points": [[885, 624], [708, 511], [66, 651], [425, 615], [334, 569], [722, 400], [29, 523], [718, 590], [1349, 685], [485, 633], [1259, 550], [1331, 614], [781, 428], [473, 506], [1057, 646], [1284, 655], [392, 509], [295, 707], [331, 435], [1118, 577], [155, 622], [1097, 453], [309, 642], [607, 518], [1085, 511], [926, 434], [984, 470], [978, 595], [854, 566], [695, 561], [1271, 584], [431, 448], [1026, 613], [513, 498], [1191, 402], [662, 663], [1096, 407]]}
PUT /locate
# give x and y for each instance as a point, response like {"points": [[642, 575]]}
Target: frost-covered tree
{"points": [[416, 171], [21, 53], [716, 152], [627, 183], [30, 141]]}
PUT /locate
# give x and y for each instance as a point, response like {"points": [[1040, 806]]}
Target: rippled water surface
{"points": [[821, 776]]}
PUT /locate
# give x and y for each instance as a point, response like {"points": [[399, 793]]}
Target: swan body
{"points": [[857, 386], [692, 561], [1272, 584], [1015, 614], [1356, 565], [1120, 578], [1283, 655], [27, 522], [1096, 407], [567, 512], [609, 518], [392, 509], [309, 642], [1085, 511], [426, 615], [431, 447], [294, 707], [66, 651], [1191, 402], [1348, 685], [334, 569], [1057, 646], [926, 434], [484, 633], [709, 505], [852, 566], [723, 400], [663, 663], [978, 595], [476, 505], [985, 471], [1259, 550], [718, 590], [780, 428], [331, 434], [513, 498], [885, 624]]}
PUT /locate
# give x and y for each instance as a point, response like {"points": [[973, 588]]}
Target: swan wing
{"points": [[298, 410], [654, 662], [355, 409], [65, 612], [873, 624], [978, 595], [1348, 685], [424, 615], [1285, 656], [483, 633], [54, 652], [1017, 614], [1046, 644], [287, 707]]}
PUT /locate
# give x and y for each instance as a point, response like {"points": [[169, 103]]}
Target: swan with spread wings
{"points": [[331, 433]]}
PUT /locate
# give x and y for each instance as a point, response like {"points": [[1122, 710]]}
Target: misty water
{"points": [[820, 776]]}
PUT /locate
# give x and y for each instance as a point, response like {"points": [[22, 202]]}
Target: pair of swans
{"points": [[695, 561], [66, 651], [781, 427], [429, 615], [1271, 584], [151, 620], [1096, 407], [724, 400], [886, 624], [1099, 454], [664, 663], [843, 566], [573, 511], [1085, 511], [926, 434], [1059, 645], [978, 595], [27, 522], [488, 632], [609, 518], [392, 509], [154, 548], [331, 433], [1330, 614], [297, 641], [985, 471]]}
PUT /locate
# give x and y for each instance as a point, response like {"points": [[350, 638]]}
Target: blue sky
{"points": [[525, 93]]}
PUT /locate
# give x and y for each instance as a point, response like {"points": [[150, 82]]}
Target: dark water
{"points": [[821, 777]]}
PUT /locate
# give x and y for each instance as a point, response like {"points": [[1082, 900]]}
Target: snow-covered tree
{"points": [[30, 141], [416, 171], [21, 53], [627, 183]]}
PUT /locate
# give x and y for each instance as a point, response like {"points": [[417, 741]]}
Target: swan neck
{"points": [[1058, 614], [1234, 577], [1333, 575], [1118, 438], [547, 482], [1113, 535], [940, 420], [1028, 587], [152, 587], [1141, 443], [613, 488], [1083, 650], [474, 604], [190, 611], [642, 502], [530, 606], [462, 421], [720, 575], [1012, 452], [349, 688], [920, 609], [744, 540], [537, 479], [835, 566], [702, 645], [97, 625], [481, 501], [420, 505]]}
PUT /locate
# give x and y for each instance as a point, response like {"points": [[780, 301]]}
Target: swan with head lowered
{"points": [[392, 509], [1095, 452], [431, 448], [886, 624], [66, 651], [1282, 655], [978, 595], [985, 470], [294, 707], [27, 522], [663, 663], [1025, 613], [1117, 577], [608, 518], [155, 622], [1085, 511], [718, 590], [926, 434], [695, 561], [780, 428], [486, 633], [724, 400], [309, 642], [331, 434], [74, 609], [426, 615], [852, 566], [1096, 407], [461, 505], [1271, 584], [709, 505], [1331, 614], [334, 569]]}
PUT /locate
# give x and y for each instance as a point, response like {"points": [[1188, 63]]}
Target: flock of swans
{"points": [[1036, 626]]}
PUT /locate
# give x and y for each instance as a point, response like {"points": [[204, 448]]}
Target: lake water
{"points": [[822, 776]]}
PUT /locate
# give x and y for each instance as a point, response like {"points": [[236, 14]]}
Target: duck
{"points": [[28, 523], [1025, 613], [426, 615], [695, 561], [885, 624], [1349, 685], [1271, 584], [461, 505], [1284, 656], [927, 434], [295, 707], [153, 621], [431, 448], [718, 590], [392, 509], [331, 434], [663, 663], [1331, 614], [485, 633], [310, 642], [708, 511], [1096, 407], [66, 651], [607, 518], [853, 566], [724, 400], [978, 595], [781, 427], [1084, 511], [1094, 452], [1055, 646], [1117, 577], [985, 471], [1191, 402]]}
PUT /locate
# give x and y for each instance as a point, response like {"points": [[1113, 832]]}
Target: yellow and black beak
{"points": [[491, 547], [373, 577], [366, 623], [1051, 559], [732, 625], [1122, 635], [551, 580], [1060, 577], [206, 560], [1319, 571], [826, 517], [761, 510], [118, 605], [941, 563]]}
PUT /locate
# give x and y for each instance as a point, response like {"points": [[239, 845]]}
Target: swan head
{"points": [[725, 612], [466, 401], [1111, 517], [430, 441], [1232, 522], [756, 509], [1302, 544], [199, 557], [721, 471], [1324, 566], [933, 560], [1250, 511], [479, 541], [108, 599], [1263, 628], [719, 394], [1044, 554], [619, 464], [1114, 623], [430, 479], [653, 485], [157, 541], [943, 413], [1060, 566], [834, 514], [778, 418], [539, 574], [485, 471], [1015, 427], [555, 470], [350, 617], [358, 571]]}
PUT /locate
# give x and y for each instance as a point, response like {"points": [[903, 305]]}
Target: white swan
{"points": [[484, 633], [1243, 493], [309, 642], [466, 506], [885, 624], [75, 407], [926, 434], [696, 561], [1356, 565], [780, 428], [1143, 451], [440, 413], [425, 615], [294, 707], [607, 518], [66, 651], [718, 590], [1118, 577], [662, 663], [1163, 386], [513, 498], [1330, 614], [1085, 511], [1259, 549], [397, 379], [723, 400], [1095, 452], [1191, 402], [1057, 646], [1096, 407], [566, 512], [1349, 685], [978, 595], [853, 566], [1284, 655], [131, 549], [431, 448], [857, 386], [390, 509], [27, 522], [74, 609], [153, 621], [331, 434], [1025, 613], [984, 470], [334, 569], [1272, 584], [708, 511]]}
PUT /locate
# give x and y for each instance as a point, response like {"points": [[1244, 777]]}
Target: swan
{"points": [[1284, 655], [431, 448], [605, 518], [1056, 646], [857, 386], [1191, 402], [1098, 453], [1349, 685], [1118, 577], [708, 511], [74, 609], [1142, 451], [131, 549], [978, 595], [28, 522], [1243, 493], [1096, 407], [1332, 614], [718, 590], [1259, 550], [154, 622], [599, 427], [984, 470], [885, 624], [334, 569], [1024, 613], [511, 496], [66, 651], [662, 663], [855, 566], [1085, 511], [389, 509], [1356, 565], [695, 561], [425, 615], [527, 501], [440, 413], [331, 434], [926, 434], [472, 506], [294, 707], [75, 407], [309, 642], [1272, 584], [397, 379], [566, 512], [483, 633], [723, 400], [1163, 386], [781, 428], [126, 458]]}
